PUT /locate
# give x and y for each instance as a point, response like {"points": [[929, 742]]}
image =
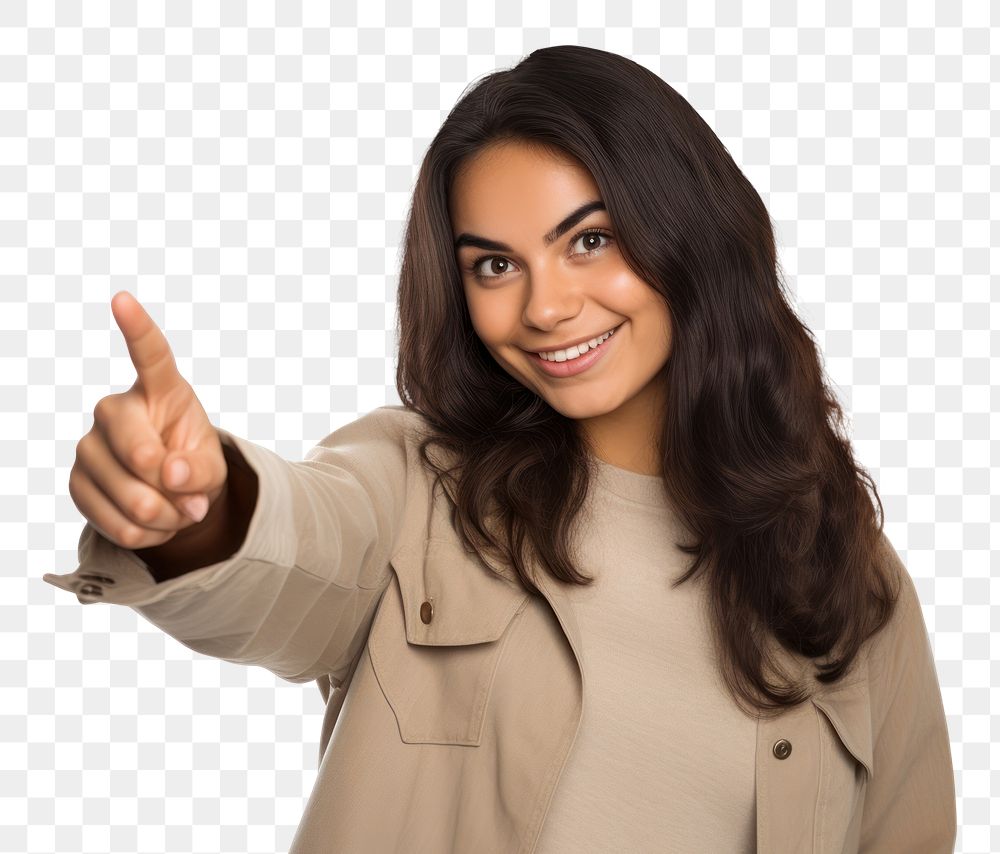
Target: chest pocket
{"points": [[437, 639]]}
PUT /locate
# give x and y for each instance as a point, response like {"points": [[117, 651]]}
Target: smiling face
{"points": [[541, 268]]}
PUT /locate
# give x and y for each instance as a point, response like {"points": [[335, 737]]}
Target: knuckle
{"points": [[143, 508], [101, 408], [140, 455], [129, 535], [81, 449]]}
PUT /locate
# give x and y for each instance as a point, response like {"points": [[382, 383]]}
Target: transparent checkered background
{"points": [[246, 173]]}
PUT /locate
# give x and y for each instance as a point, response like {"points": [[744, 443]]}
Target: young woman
{"points": [[610, 578]]}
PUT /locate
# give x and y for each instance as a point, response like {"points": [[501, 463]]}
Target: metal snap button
{"points": [[782, 748], [426, 612], [102, 578], [92, 589]]}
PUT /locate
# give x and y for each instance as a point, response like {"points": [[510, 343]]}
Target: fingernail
{"points": [[196, 506], [179, 471]]}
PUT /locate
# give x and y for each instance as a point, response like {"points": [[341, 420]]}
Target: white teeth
{"points": [[571, 353]]}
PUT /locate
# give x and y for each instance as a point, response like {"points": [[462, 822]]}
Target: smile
{"points": [[576, 350], [567, 363]]}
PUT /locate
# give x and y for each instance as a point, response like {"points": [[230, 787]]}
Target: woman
{"points": [[611, 578]]}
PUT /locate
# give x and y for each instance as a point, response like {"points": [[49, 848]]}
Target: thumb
{"points": [[189, 474]]}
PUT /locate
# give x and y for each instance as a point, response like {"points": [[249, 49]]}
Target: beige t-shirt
{"points": [[664, 758]]}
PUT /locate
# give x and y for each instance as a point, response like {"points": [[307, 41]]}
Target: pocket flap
{"points": [[451, 597], [848, 710]]}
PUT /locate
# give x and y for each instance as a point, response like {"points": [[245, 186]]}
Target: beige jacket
{"points": [[465, 692]]}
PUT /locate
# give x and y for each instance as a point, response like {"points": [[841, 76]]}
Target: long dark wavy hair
{"points": [[752, 450]]}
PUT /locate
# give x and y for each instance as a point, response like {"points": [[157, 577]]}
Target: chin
{"points": [[579, 405]]}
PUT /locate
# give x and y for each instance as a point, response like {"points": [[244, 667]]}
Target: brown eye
{"points": [[591, 241], [499, 265]]}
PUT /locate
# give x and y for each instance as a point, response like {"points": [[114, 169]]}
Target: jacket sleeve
{"points": [[910, 800], [298, 596]]}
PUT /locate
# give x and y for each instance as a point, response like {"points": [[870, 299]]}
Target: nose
{"points": [[553, 295]]}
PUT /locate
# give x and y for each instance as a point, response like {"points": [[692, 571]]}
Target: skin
{"points": [[536, 296]]}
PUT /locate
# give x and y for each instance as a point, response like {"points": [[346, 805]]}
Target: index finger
{"points": [[147, 345]]}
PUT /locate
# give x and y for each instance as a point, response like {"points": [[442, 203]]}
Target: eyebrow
{"points": [[466, 239]]}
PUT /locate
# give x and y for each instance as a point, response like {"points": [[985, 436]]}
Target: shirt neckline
{"points": [[643, 488]]}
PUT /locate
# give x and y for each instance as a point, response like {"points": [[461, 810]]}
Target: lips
{"points": [[579, 365]]}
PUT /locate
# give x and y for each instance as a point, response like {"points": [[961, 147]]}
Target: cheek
{"points": [[489, 319], [662, 333], [475, 311], [652, 320], [622, 291]]}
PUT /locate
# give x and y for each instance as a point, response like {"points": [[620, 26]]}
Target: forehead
{"points": [[515, 182]]}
